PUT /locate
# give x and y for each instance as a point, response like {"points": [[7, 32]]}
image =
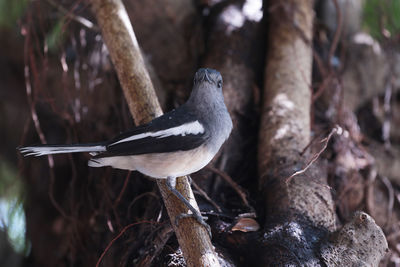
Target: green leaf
{"points": [[382, 15], [11, 11], [56, 35]]}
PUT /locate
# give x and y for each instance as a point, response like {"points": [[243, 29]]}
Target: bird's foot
{"points": [[171, 182], [200, 219]]}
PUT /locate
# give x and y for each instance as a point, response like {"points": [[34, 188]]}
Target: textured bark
{"points": [[300, 211], [285, 121], [359, 243], [139, 93], [285, 126]]}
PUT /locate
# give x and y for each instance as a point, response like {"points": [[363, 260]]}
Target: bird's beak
{"points": [[203, 75], [206, 78]]}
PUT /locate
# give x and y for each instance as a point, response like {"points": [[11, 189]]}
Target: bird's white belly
{"points": [[162, 165]]}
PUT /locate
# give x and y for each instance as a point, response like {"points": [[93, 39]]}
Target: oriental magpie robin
{"points": [[175, 144]]}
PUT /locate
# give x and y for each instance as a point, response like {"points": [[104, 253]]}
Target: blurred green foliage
{"points": [[10, 184], [382, 15], [12, 215], [11, 11], [56, 35]]}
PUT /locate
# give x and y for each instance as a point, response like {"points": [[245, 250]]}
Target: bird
{"points": [[178, 143]]}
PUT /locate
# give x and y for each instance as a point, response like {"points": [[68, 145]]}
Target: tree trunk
{"points": [[299, 209]]}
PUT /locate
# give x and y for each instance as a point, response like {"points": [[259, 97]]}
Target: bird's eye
{"points": [[219, 84]]}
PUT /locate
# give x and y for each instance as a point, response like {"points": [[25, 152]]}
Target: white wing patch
{"points": [[48, 150], [194, 127]]}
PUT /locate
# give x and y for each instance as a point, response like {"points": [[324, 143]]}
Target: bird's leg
{"points": [[171, 182]]}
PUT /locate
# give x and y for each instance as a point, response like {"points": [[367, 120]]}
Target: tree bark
{"points": [[125, 54], [359, 243], [285, 119], [299, 211]]}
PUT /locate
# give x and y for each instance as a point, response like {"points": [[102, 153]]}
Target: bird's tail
{"points": [[41, 150]]}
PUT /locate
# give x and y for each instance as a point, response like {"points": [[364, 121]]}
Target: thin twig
{"points": [[85, 22], [204, 194], [319, 62], [232, 183], [387, 113], [156, 245], [139, 197], [123, 189], [390, 189], [336, 38], [338, 32], [118, 236], [29, 59], [325, 83], [309, 145], [370, 199], [315, 157]]}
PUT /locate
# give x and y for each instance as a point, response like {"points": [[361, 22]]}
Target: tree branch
{"points": [[285, 118], [138, 89]]}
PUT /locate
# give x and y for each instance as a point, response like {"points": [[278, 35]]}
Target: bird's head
{"points": [[207, 90], [205, 75]]}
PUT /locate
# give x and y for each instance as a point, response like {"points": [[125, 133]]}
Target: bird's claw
{"points": [[200, 219]]}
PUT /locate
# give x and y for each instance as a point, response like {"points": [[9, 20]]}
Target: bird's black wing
{"points": [[178, 130]]}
